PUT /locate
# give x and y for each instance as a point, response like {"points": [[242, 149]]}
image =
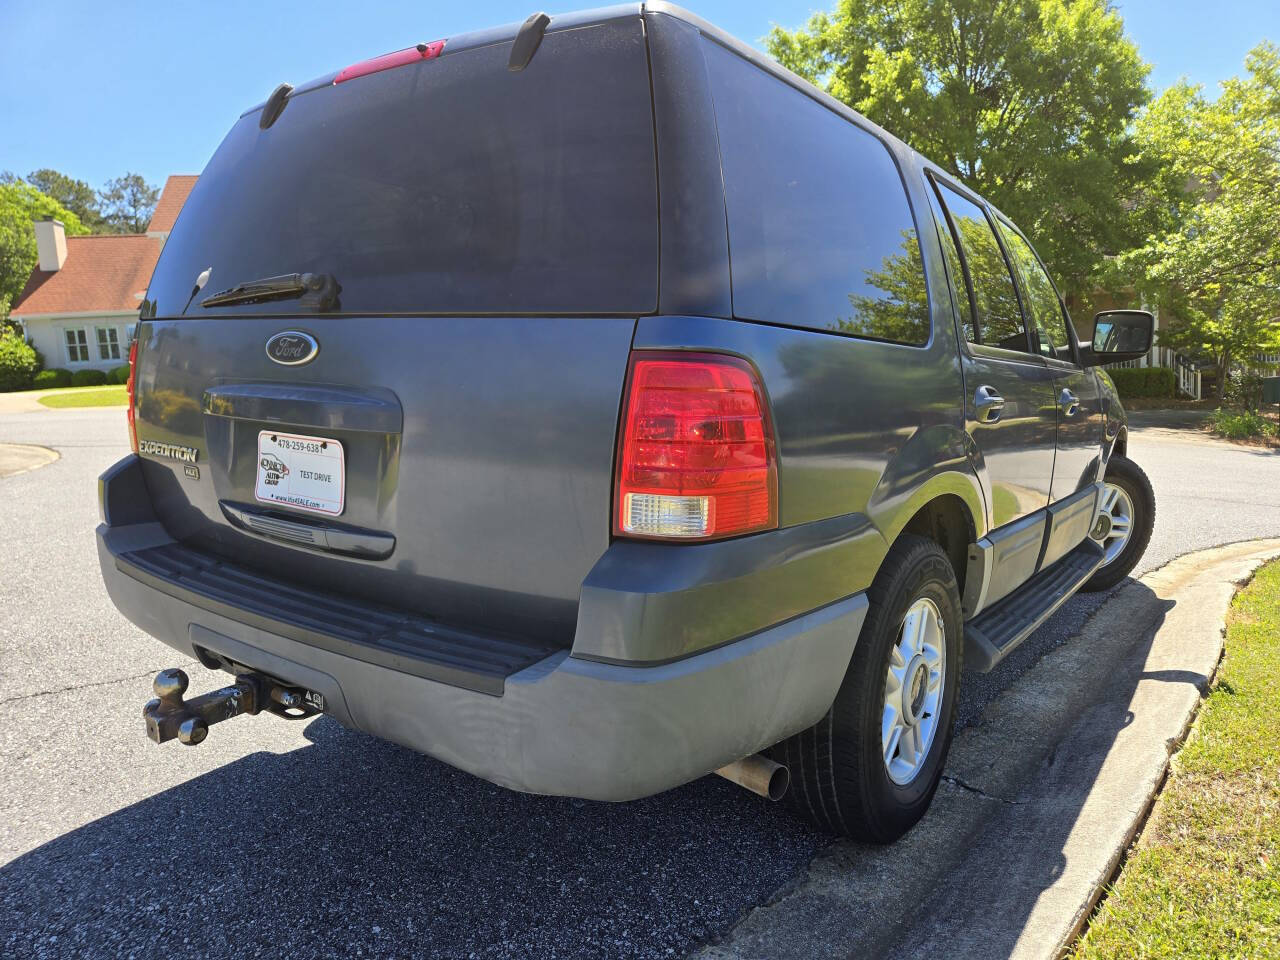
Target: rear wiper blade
{"points": [[319, 290]]}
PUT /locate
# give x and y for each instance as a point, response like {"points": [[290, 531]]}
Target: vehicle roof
{"points": [[581, 18], [486, 36]]}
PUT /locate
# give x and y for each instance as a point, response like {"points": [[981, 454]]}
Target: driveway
{"points": [[309, 839]]}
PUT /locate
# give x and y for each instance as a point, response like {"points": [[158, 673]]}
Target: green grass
{"points": [[1243, 425], [1204, 878], [113, 396]]}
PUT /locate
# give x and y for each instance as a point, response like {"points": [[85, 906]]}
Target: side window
{"points": [[1042, 298], [820, 231], [77, 345], [951, 253], [108, 343], [999, 314]]}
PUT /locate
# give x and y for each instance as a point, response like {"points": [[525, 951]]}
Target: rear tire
{"points": [[840, 780], [1135, 499]]}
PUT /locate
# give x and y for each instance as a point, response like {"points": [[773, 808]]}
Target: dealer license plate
{"points": [[307, 473]]}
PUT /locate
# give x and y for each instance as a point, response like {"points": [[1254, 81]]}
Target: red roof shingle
{"points": [[172, 197], [102, 273], [107, 273]]}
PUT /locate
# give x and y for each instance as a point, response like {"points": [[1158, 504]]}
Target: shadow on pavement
{"points": [[355, 844], [1058, 732]]}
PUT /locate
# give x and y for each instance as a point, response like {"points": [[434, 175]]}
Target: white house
{"points": [[81, 301]]}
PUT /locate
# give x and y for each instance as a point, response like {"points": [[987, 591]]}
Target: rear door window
{"points": [[820, 231], [999, 315], [951, 253], [1042, 298], [447, 186]]}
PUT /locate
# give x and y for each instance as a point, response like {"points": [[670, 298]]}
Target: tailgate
{"points": [[478, 456]]}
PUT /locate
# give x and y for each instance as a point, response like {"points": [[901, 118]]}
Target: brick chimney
{"points": [[51, 244]]}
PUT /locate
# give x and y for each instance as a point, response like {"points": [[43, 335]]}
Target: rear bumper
{"points": [[563, 725]]}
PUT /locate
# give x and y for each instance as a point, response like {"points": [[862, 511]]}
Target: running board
{"points": [[996, 632]]}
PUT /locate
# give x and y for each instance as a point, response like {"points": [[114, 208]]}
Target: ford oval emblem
{"points": [[292, 348]]}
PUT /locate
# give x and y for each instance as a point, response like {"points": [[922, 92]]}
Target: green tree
{"points": [[127, 203], [1214, 259], [1030, 102], [899, 310], [20, 206], [76, 195]]}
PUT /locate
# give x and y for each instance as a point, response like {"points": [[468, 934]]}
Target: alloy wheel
{"points": [[1114, 526], [913, 686]]}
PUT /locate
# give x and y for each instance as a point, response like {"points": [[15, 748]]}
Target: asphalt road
{"points": [[307, 839]]}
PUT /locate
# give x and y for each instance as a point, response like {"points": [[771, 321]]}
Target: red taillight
{"points": [[696, 458], [129, 389], [423, 51]]}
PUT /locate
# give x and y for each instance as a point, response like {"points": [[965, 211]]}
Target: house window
{"points": [[77, 345], [108, 343]]}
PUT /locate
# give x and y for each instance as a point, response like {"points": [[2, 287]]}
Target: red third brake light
{"points": [[130, 389], [423, 51], [696, 458]]}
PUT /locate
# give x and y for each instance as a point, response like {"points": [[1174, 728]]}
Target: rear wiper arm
{"points": [[319, 290]]}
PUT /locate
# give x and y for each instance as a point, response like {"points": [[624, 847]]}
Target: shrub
{"points": [[1144, 381], [48, 379], [1242, 424], [1243, 390], [18, 363], [172, 410], [118, 374], [88, 378]]}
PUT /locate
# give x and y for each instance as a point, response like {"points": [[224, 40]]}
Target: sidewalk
{"points": [[1040, 799], [23, 401]]}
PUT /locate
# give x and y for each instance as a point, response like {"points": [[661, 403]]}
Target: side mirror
{"points": [[1120, 335]]}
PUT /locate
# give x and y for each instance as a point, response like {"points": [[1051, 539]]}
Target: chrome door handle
{"points": [[989, 404], [1069, 402]]}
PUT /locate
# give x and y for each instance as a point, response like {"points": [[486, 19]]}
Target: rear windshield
{"points": [[446, 186]]}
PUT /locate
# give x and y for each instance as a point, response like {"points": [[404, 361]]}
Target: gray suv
{"points": [[592, 404]]}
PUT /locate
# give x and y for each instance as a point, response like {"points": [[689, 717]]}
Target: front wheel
{"points": [[1125, 519], [869, 768]]}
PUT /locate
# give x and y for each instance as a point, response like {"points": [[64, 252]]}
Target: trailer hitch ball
{"points": [[192, 730], [169, 716]]}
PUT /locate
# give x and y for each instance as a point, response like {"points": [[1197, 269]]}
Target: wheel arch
{"points": [[1120, 446], [950, 520]]}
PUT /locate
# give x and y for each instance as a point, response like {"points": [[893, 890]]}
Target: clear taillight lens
{"points": [[129, 390], [696, 459]]}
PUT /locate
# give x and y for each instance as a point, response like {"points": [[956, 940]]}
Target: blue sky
{"points": [[94, 89]]}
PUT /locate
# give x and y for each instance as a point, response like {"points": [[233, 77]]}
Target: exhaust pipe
{"points": [[758, 774]]}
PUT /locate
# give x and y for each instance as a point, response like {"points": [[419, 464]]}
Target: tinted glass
{"points": [[999, 316], [951, 254], [445, 186], [1042, 298], [820, 232]]}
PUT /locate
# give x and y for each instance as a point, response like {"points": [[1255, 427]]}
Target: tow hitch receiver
{"points": [[169, 715]]}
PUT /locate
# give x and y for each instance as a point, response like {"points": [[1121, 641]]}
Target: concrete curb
{"points": [[1040, 799], [16, 458]]}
